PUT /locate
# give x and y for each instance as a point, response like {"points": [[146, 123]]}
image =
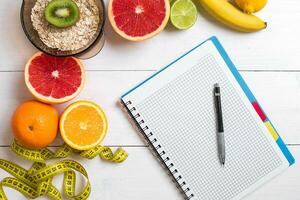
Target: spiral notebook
{"points": [[174, 111]]}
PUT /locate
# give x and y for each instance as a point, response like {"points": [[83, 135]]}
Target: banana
{"points": [[229, 15]]}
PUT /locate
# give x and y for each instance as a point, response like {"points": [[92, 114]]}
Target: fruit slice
{"points": [[62, 13], [83, 125], [183, 14], [35, 124], [54, 79], [137, 20]]}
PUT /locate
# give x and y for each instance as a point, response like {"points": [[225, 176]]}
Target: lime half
{"points": [[183, 14]]}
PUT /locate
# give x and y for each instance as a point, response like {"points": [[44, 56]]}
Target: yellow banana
{"points": [[229, 15]]}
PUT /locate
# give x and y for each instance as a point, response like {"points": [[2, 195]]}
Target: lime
{"points": [[183, 14]]}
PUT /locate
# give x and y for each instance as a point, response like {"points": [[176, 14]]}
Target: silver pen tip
{"points": [[217, 85]]}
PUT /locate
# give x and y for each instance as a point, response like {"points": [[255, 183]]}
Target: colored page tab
{"points": [[259, 111], [272, 130]]}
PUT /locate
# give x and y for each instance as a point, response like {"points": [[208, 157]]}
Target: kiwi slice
{"points": [[62, 13]]}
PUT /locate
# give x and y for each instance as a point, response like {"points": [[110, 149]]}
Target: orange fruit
{"points": [[83, 125], [52, 79], [138, 20], [35, 124]]}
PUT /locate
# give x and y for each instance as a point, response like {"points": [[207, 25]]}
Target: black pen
{"points": [[220, 128]]}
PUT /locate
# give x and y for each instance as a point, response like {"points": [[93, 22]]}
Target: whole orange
{"points": [[35, 124]]}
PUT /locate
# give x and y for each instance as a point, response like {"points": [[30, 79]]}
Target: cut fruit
{"points": [[62, 13], [183, 14], [54, 79], [83, 125], [137, 20]]}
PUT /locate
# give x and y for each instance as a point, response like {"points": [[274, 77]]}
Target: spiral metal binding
{"points": [[159, 151]]}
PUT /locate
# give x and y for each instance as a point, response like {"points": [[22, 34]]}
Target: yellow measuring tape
{"points": [[37, 180]]}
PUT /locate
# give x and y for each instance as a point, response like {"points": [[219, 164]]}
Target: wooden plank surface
{"points": [[142, 177], [277, 92], [268, 61], [270, 49]]}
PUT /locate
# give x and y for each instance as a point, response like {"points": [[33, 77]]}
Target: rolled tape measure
{"points": [[37, 181]]}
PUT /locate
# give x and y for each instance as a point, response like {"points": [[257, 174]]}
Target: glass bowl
{"points": [[91, 49]]}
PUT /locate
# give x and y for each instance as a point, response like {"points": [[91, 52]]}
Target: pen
{"points": [[220, 128]]}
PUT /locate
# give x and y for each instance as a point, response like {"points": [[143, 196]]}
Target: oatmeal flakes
{"points": [[71, 38]]}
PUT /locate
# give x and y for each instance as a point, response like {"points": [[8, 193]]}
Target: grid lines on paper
{"points": [[182, 117]]}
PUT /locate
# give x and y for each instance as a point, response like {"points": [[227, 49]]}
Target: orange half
{"points": [[83, 125]]}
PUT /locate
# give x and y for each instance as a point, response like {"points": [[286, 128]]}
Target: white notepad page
{"points": [[178, 107]]}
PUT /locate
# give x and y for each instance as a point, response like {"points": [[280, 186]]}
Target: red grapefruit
{"points": [[54, 79], [137, 20]]}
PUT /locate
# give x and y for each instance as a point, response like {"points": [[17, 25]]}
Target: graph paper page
{"points": [[178, 107]]}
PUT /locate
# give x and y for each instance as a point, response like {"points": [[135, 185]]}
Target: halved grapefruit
{"points": [[54, 79], [137, 20]]}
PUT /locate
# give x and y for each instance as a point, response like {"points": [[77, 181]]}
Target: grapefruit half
{"points": [[54, 79], [137, 20]]}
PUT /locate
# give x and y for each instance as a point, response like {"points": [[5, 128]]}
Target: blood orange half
{"points": [[137, 20], [54, 79]]}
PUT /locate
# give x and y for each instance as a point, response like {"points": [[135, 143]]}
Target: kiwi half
{"points": [[62, 13]]}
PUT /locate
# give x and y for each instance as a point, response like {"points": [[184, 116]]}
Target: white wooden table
{"points": [[268, 60]]}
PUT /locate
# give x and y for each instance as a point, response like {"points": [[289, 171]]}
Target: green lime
{"points": [[183, 14]]}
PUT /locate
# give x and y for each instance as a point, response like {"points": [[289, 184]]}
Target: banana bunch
{"points": [[225, 12]]}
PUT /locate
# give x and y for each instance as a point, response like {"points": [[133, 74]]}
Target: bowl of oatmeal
{"points": [[86, 37]]}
